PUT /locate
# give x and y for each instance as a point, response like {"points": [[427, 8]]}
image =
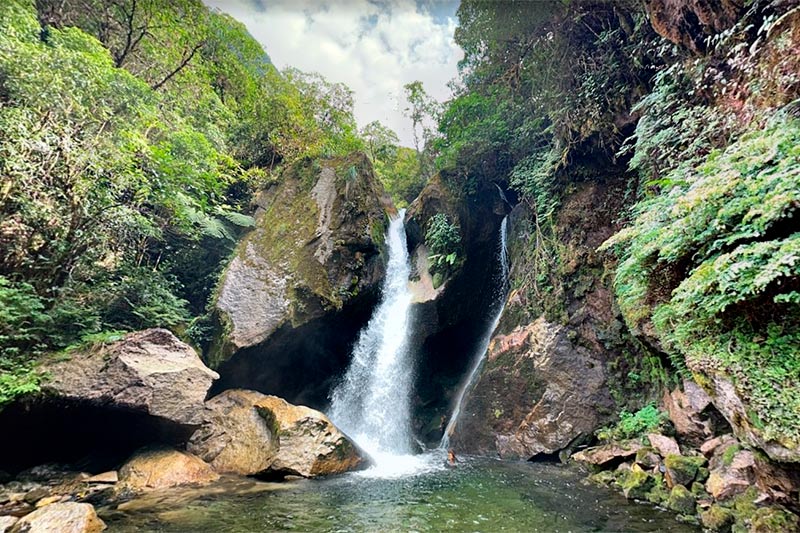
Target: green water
{"points": [[479, 495]]}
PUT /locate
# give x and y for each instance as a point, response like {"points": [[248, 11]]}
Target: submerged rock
{"points": [[538, 394], [149, 371], [238, 436], [68, 517], [159, 468], [310, 445]]}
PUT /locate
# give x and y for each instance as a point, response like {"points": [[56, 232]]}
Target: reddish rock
{"points": [[727, 480], [685, 409], [689, 22], [663, 445], [161, 468], [608, 453], [709, 447]]}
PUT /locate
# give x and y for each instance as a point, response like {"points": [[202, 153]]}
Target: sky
{"points": [[373, 46]]}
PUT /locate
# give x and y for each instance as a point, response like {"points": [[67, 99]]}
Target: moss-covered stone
{"points": [[647, 458], [681, 500], [774, 520], [636, 483], [699, 490], [717, 518], [604, 477], [658, 495], [682, 470]]}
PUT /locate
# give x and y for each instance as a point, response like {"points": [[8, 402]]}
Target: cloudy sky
{"points": [[373, 46]]}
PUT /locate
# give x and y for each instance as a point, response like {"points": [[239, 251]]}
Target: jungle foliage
{"points": [[133, 135]]}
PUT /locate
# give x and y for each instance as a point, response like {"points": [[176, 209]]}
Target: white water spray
{"points": [[372, 404], [498, 306]]}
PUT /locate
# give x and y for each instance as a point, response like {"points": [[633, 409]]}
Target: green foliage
{"points": [[715, 263], [443, 239], [135, 133], [634, 425]]}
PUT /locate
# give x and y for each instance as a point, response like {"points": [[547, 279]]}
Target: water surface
{"points": [[479, 495]]}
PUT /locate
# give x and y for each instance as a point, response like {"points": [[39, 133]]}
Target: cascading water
{"points": [[372, 404], [498, 306]]}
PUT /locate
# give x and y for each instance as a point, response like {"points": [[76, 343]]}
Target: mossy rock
{"points": [[717, 518], [699, 490], [604, 477], [658, 495], [647, 458], [681, 500], [636, 483], [682, 470], [774, 520]]}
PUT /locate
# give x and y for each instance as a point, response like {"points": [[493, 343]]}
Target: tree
{"points": [[380, 141], [424, 113]]}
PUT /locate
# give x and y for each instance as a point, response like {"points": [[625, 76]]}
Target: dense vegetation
{"points": [[702, 131], [134, 134]]}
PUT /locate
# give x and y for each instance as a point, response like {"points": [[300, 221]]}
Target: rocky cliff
{"points": [[302, 283]]}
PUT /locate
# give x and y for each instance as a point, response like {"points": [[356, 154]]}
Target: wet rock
{"points": [[310, 445], [315, 246], [150, 371], [538, 394], [238, 436], [50, 499], [68, 517], [37, 494], [158, 468], [6, 522], [681, 470], [636, 483], [681, 500], [608, 453], [663, 445]]}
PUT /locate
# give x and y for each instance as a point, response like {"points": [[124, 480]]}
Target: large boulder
{"points": [[148, 371], [158, 468], [538, 394], [687, 412], [67, 517], [315, 247], [239, 436], [607, 455], [310, 445]]}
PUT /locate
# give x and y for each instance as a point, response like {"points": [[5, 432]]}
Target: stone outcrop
{"points": [[608, 454], [310, 445], [691, 22], [239, 436], [538, 394], [732, 404], [249, 433], [148, 371], [315, 247], [686, 412], [68, 517], [159, 468]]}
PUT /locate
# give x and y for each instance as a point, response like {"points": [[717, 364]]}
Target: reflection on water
{"points": [[478, 495]]}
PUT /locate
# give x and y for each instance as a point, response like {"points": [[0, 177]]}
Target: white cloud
{"points": [[373, 47]]}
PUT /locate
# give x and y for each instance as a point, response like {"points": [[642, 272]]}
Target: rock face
{"points": [[62, 518], [160, 468], [686, 409], [538, 394], [238, 437], [310, 445], [608, 454], [148, 371], [690, 22], [728, 400], [315, 247]]}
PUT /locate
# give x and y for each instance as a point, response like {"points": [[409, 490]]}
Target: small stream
{"points": [[481, 495]]}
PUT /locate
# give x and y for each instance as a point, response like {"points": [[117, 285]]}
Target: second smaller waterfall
{"points": [[498, 306]]}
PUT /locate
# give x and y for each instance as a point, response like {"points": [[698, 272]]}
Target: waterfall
{"points": [[373, 401], [498, 306]]}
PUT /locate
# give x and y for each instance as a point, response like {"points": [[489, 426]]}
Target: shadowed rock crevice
{"points": [[86, 436], [300, 364]]}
